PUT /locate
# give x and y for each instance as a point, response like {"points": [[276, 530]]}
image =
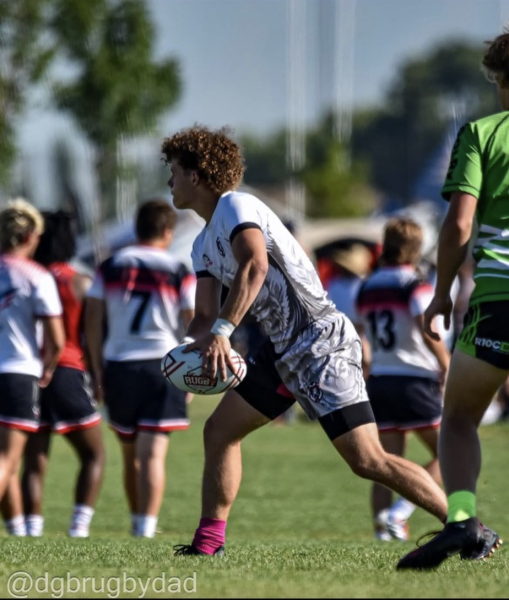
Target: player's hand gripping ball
{"points": [[184, 370]]}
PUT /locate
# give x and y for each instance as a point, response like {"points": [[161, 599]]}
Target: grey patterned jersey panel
{"points": [[292, 296]]}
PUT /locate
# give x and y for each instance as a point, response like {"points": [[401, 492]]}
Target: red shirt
{"points": [[72, 355]]}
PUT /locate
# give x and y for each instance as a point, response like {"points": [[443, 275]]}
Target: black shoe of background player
{"points": [[467, 538], [190, 550]]}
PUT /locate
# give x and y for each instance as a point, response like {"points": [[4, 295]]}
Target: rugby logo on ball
{"points": [[184, 371]]}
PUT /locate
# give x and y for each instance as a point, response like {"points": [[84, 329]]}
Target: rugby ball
{"points": [[184, 371]]}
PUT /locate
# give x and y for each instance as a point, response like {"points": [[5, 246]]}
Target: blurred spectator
{"points": [[352, 266]]}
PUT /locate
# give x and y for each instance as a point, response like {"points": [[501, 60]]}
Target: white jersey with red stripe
{"points": [[387, 304], [28, 292], [144, 289]]}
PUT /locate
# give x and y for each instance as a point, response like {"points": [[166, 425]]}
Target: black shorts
{"points": [[485, 334], [404, 403], [139, 398], [67, 403], [19, 401], [265, 391]]}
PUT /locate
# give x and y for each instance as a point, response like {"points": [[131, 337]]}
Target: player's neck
{"points": [[155, 244], [19, 252], [206, 205], [402, 266]]}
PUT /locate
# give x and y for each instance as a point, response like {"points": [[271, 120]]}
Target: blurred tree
{"points": [[335, 186], [64, 178], [120, 91], [25, 55], [265, 159], [426, 95]]}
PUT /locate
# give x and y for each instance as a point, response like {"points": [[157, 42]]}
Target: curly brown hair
{"points": [[213, 154], [496, 57]]}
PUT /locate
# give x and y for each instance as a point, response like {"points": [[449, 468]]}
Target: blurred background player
{"points": [[28, 293], [476, 186], [67, 406], [351, 265], [407, 367], [145, 298]]}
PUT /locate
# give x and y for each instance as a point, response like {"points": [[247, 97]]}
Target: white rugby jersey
{"points": [[27, 292], [292, 295], [144, 289], [387, 304]]}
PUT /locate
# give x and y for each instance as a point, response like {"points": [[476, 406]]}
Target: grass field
{"points": [[300, 528]]}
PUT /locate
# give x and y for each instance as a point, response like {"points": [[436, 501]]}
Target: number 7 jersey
{"points": [[144, 290], [387, 304]]}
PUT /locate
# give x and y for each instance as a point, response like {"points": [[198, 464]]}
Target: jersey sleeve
{"points": [[187, 289], [465, 169], [420, 299], [96, 290], [239, 214], [46, 299]]}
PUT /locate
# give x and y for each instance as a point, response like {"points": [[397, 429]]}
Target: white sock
{"points": [[134, 523], [146, 526], [16, 526], [402, 509], [81, 519], [34, 525]]}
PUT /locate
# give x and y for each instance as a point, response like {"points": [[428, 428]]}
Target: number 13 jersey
{"points": [[387, 305], [144, 289]]}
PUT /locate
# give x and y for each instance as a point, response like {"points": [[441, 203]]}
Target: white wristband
{"points": [[223, 327], [187, 340]]}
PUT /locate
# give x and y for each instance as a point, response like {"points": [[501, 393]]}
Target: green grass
{"points": [[300, 526]]}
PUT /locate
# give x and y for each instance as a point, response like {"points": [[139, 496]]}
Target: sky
{"points": [[234, 52], [235, 62]]}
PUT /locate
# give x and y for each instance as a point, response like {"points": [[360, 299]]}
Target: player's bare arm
{"points": [[452, 251], [207, 306], [94, 321], [186, 316], [54, 342], [250, 252], [366, 349], [80, 285]]}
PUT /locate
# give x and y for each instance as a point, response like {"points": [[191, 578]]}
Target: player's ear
{"points": [[195, 178]]}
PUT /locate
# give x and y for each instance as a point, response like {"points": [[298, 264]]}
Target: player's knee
{"points": [[36, 465], [367, 466], [92, 455], [99, 457], [214, 433]]}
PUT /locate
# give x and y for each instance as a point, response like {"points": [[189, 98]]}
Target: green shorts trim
{"points": [[485, 333]]}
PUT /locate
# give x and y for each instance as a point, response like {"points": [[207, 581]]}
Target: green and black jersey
{"points": [[480, 167]]}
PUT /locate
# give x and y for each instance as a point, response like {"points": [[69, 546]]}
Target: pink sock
{"points": [[210, 535]]}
